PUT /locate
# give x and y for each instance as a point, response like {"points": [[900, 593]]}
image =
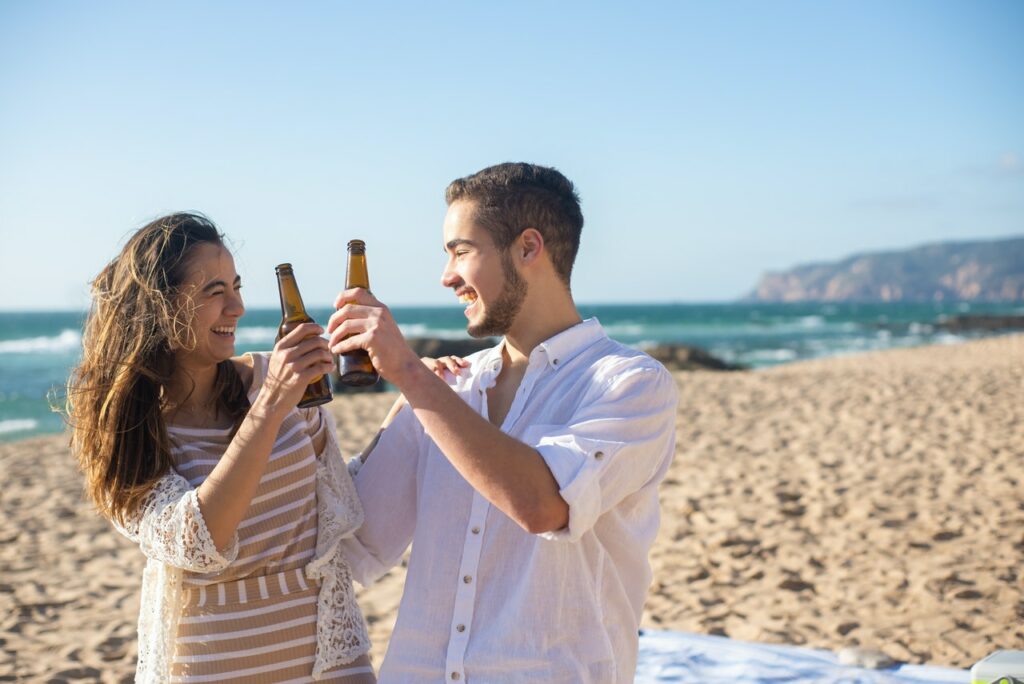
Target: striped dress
{"points": [[255, 621]]}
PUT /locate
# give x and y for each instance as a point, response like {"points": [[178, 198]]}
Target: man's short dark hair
{"points": [[511, 197]]}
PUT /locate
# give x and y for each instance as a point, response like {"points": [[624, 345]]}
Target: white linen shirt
{"points": [[486, 601]]}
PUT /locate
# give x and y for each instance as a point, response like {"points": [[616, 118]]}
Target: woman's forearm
{"points": [[225, 496]]}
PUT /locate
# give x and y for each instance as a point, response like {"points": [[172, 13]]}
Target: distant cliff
{"points": [[958, 271]]}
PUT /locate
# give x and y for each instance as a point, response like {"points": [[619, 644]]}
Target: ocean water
{"points": [[37, 350]]}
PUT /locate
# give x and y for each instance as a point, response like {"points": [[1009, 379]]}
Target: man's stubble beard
{"points": [[499, 316]]}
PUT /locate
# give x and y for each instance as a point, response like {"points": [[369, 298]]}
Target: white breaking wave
{"points": [[67, 341], [423, 330], [17, 425], [256, 335], [768, 355], [949, 338], [626, 329], [920, 328]]}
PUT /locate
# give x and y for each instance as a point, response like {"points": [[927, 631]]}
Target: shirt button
{"points": [[598, 455], [467, 579], [555, 362], [460, 628], [455, 676], [476, 530]]}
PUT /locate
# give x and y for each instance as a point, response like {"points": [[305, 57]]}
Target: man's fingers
{"points": [[357, 295], [334, 321], [352, 326], [347, 344], [349, 311]]}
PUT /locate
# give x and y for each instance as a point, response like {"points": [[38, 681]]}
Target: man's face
{"points": [[482, 276]]}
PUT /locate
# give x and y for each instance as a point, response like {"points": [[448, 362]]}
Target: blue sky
{"points": [[710, 142]]}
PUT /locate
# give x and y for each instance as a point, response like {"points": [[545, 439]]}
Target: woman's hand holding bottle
{"points": [[298, 358]]}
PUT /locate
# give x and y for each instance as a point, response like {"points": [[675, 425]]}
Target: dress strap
{"points": [[260, 365]]}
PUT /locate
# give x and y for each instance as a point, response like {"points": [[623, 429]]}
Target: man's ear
{"points": [[529, 245]]}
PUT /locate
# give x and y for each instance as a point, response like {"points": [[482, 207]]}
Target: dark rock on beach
{"points": [[682, 357], [981, 322], [435, 347], [675, 357]]}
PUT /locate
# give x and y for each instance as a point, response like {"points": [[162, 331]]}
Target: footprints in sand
{"points": [[69, 596], [862, 502]]}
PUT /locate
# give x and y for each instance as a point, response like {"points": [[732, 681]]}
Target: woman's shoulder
{"points": [[251, 368], [244, 368]]}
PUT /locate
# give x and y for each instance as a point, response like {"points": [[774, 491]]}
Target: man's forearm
{"points": [[508, 473]]}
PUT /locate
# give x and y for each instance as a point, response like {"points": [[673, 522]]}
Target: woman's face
{"points": [[215, 290]]}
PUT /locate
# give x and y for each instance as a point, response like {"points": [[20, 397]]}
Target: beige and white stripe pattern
{"points": [[255, 621]]}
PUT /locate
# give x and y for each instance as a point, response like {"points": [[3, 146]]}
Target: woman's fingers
{"points": [[454, 363], [435, 365], [298, 334], [445, 364], [298, 358]]}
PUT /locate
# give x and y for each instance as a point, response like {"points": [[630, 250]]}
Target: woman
{"points": [[237, 498]]}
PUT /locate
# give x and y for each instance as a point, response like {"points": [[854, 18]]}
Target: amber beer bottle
{"points": [[355, 368], [293, 314]]}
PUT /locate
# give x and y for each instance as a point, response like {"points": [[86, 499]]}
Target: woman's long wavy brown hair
{"points": [[116, 395]]}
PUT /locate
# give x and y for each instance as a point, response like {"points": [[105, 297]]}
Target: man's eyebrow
{"points": [[220, 283], [452, 244]]}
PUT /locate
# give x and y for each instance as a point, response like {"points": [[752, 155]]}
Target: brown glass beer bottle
{"points": [[293, 313], [355, 368]]}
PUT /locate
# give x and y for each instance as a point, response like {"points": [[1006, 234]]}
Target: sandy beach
{"points": [[873, 500]]}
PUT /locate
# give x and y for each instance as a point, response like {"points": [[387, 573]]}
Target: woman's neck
{"points": [[190, 396]]}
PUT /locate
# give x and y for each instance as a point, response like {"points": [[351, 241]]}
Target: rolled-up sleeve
{"points": [[620, 440]]}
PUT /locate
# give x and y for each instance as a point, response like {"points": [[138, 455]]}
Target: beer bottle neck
{"points": [[356, 274], [292, 308]]}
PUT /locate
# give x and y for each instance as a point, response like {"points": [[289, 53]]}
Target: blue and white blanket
{"points": [[702, 659]]}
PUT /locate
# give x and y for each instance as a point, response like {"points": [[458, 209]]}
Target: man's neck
{"points": [[532, 327], [535, 324]]}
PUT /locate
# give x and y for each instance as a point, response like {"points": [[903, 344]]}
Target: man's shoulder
{"points": [[612, 365], [618, 357]]}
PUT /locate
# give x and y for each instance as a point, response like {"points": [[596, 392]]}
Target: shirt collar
{"points": [[554, 352], [559, 349]]}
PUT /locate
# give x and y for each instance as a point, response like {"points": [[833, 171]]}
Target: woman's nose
{"points": [[236, 306]]}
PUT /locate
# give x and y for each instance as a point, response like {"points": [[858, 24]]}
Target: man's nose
{"points": [[449, 278]]}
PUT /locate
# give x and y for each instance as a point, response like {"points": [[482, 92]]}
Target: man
{"points": [[528, 485]]}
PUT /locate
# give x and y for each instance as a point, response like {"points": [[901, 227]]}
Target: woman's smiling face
{"points": [[214, 288]]}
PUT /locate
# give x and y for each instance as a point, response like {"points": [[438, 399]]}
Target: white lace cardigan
{"points": [[170, 530]]}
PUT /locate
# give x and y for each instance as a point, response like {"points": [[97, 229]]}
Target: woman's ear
{"points": [[530, 245]]}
